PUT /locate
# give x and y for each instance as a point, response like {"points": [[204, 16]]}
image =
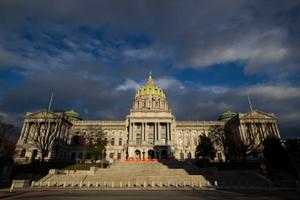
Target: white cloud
{"points": [[139, 53], [169, 83], [273, 92], [215, 89], [257, 47], [128, 85]]}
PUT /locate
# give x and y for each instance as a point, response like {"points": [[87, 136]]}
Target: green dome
{"points": [[150, 89], [227, 116], [72, 114]]}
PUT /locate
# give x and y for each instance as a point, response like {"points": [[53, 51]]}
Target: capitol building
{"points": [[150, 131]]}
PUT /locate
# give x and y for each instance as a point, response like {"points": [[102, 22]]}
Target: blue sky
{"points": [[206, 55]]}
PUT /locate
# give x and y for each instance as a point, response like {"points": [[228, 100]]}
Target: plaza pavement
{"points": [[66, 194]]}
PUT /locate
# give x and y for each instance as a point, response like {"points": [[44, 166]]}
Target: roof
{"points": [[72, 114], [227, 116], [150, 89]]}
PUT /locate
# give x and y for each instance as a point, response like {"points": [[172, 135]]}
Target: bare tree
{"points": [[220, 136], [46, 134], [7, 145], [96, 143], [205, 148]]}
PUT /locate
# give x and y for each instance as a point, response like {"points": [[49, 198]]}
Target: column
{"points": [[274, 129], [243, 131], [167, 133], [27, 132], [131, 131], [277, 131], [134, 132], [158, 132], [142, 132], [170, 131], [155, 133], [146, 134], [240, 130], [23, 129]]}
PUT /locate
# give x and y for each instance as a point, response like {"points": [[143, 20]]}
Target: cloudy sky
{"points": [[206, 55]]}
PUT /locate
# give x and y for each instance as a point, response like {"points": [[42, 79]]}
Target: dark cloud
{"points": [[93, 53]]}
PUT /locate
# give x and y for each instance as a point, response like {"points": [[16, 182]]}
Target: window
{"points": [[120, 141], [112, 141], [111, 155], [220, 157], [138, 138], [181, 156], [119, 155], [23, 152]]}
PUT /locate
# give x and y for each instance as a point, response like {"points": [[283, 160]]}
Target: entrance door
{"points": [[150, 154], [138, 154], [164, 154]]}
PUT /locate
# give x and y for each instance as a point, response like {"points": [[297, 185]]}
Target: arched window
{"points": [[23, 152], [34, 154]]}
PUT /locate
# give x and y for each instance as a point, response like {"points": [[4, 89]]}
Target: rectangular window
{"points": [[112, 141], [138, 138], [119, 155], [120, 141], [150, 137], [220, 157], [111, 155]]}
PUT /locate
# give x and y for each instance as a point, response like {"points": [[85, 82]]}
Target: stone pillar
{"points": [[277, 131], [240, 131], [146, 134], [170, 131], [142, 131], [167, 133], [274, 130], [27, 130], [23, 130], [131, 131], [129, 136], [243, 131], [158, 133], [155, 133], [134, 132]]}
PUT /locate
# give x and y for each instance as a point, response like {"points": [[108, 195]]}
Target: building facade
{"points": [[150, 131]]}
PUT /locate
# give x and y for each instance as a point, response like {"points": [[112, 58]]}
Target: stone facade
{"points": [[149, 131]]}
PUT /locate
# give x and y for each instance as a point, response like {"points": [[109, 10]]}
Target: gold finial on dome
{"points": [[150, 80]]}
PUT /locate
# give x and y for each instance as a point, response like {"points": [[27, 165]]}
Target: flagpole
{"points": [[50, 102], [250, 104]]}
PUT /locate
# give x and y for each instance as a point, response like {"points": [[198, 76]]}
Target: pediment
{"points": [[257, 114], [41, 114]]}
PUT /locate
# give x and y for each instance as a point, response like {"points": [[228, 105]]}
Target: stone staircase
{"points": [[130, 175], [156, 175]]}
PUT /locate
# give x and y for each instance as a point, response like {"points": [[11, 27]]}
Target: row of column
{"points": [[261, 128], [25, 131], [144, 131], [27, 126]]}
